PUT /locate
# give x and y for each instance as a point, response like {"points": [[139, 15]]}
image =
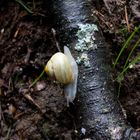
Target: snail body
{"points": [[64, 69], [71, 89]]}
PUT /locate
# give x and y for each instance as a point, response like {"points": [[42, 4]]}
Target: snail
{"points": [[60, 68], [63, 67]]}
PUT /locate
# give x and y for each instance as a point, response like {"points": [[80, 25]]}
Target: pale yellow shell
{"points": [[60, 68]]}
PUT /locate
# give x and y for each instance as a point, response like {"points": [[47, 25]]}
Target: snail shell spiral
{"points": [[60, 68]]}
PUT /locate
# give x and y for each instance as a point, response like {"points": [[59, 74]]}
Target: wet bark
{"points": [[99, 114]]}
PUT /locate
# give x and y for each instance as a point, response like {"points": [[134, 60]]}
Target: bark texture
{"points": [[99, 114]]}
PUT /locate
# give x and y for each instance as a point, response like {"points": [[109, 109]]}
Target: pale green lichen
{"points": [[86, 39], [83, 59], [85, 42]]}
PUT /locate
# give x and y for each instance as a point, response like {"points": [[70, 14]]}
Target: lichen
{"points": [[83, 59], [86, 39], [85, 42]]}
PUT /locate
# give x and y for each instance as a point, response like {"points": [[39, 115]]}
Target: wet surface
{"points": [[26, 45], [116, 31]]}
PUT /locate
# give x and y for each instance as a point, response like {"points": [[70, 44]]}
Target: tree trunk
{"points": [[99, 114]]}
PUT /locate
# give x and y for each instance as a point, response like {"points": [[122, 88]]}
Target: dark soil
{"points": [[26, 44], [113, 16]]}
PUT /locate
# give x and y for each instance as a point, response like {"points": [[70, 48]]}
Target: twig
{"points": [[27, 56], [8, 134], [101, 17], [16, 33], [27, 96], [138, 129], [126, 18], [54, 37], [107, 6]]}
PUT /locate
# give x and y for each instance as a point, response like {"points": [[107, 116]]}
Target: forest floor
{"points": [[118, 20], [27, 43]]}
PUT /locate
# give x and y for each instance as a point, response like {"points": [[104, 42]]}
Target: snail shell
{"points": [[60, 68], [64, 69]]}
